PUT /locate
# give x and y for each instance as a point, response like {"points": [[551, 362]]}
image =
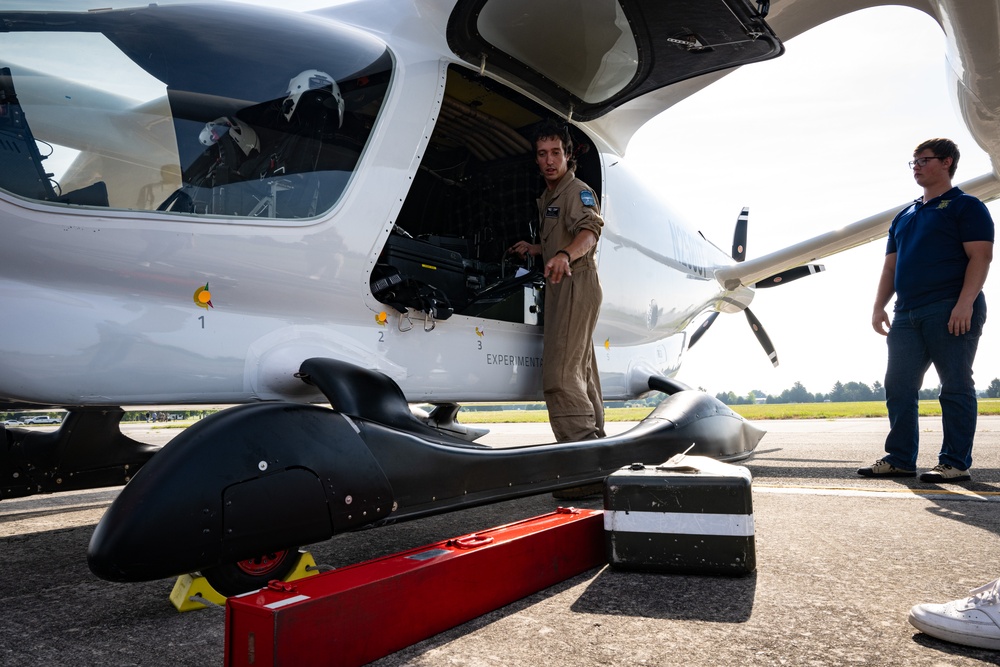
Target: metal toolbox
{"points": [[690, 515], [357, 614]]}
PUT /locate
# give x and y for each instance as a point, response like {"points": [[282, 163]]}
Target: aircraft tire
{"points": [[231, 579]]}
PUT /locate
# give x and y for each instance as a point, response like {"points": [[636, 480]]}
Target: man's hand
{"points": [[523, 248], [960, 321], [557, 267], [881, 323]]}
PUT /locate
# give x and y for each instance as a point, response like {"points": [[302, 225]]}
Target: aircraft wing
{"points": [[986, 188]]}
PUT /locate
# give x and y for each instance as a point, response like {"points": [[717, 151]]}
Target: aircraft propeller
{"points": [[789, 275], [739, 253], [702, 328]]}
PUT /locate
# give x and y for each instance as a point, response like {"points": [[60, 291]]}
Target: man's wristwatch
{"points": [[568, 258]]}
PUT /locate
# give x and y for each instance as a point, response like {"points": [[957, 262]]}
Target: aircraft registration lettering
{"points": [[688, 251], [513, 360]]}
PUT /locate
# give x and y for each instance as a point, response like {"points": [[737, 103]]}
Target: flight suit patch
{"points": [[587, 197], [552, 212]]}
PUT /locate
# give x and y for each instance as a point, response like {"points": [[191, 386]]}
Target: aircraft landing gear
{"points": [[193, 591], [246, 575], [444, 418]]}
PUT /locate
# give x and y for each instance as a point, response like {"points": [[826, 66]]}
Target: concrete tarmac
{"points": [[840, 560]]}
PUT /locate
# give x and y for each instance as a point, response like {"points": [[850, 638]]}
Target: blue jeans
{"points": [[917, 339]]}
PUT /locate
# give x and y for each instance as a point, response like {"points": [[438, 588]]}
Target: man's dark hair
{"points": [[553, 130], [942, 148]]}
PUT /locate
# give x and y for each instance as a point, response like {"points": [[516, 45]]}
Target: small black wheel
{"points": [[231, 579]]}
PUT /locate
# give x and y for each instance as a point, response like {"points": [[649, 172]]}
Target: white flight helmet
{"points": [[311, 79], [242, 134]]}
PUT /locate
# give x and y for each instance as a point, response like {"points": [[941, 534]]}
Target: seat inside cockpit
{"points": [[21, 163], [282, 158]]}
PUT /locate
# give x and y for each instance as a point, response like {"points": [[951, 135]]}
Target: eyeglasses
{"points": [[922, 161]]}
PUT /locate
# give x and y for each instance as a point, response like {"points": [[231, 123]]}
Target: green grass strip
{"points": [[987, 406]]}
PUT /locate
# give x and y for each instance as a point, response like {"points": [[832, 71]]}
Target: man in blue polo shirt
{"points": [[936, 260]]}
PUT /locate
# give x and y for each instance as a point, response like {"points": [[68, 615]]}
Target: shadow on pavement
{"points": [[659, 596]]}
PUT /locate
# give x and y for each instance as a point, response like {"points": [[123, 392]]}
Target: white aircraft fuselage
{"points": [[100, 299], [102, 312], [223, 204]]}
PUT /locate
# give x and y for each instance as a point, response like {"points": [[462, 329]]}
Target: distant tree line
{"points": [[849, 392]]}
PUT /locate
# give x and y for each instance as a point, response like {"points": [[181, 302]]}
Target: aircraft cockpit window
{"points": [[172, 111]]}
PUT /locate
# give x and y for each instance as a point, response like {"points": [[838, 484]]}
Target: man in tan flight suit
{"points": [[571, 224]]}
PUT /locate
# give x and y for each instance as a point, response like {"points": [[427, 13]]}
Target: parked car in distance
{"points": [[13, 422], [42, 419]]}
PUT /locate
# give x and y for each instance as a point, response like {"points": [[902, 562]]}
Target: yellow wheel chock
{"points": [[192, 591]]}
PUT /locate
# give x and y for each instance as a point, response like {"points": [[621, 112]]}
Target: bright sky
{"points": [[811, 141]]}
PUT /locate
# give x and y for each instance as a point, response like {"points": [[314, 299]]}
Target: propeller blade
{"points": [[740, 235], [702, 328], [791, 274], [761, 335]]}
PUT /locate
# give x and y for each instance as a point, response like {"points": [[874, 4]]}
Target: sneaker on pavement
{"points": [[972, 621], [883, 468], [945, 473]]}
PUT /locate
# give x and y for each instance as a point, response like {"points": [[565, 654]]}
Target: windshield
{"points": [[188, 109]]}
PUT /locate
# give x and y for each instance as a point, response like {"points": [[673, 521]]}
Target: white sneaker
{"points": [[972, 621], [882, 468], [943, 472]]}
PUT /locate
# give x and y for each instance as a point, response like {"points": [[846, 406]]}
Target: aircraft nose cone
{"points": [[110, 559], [246, 481], [162, 537], [100, 556]]}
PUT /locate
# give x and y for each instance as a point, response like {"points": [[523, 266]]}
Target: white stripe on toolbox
{"points": [[286, 602], [733, 525]]}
